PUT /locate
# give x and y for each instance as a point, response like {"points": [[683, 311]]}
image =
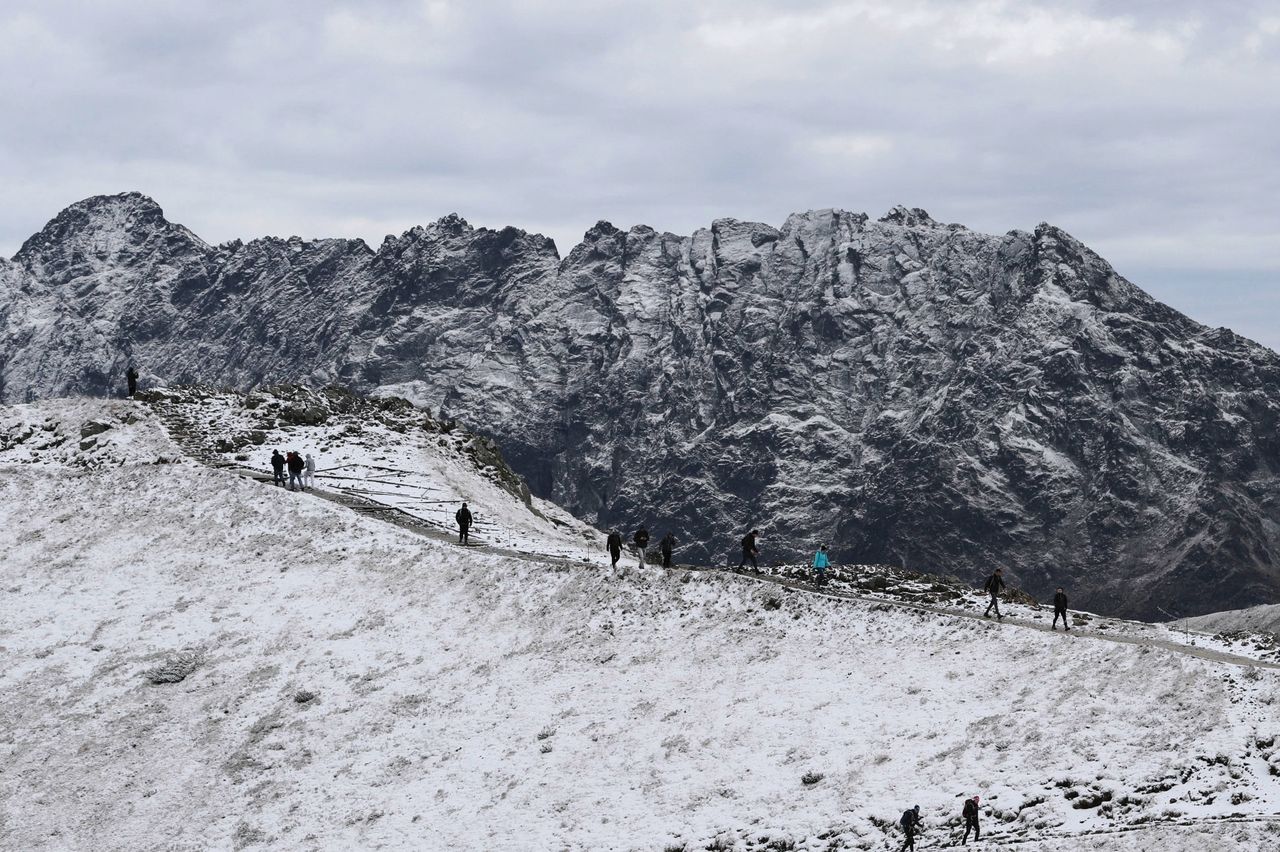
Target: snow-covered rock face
{"points": [[906, 391]]}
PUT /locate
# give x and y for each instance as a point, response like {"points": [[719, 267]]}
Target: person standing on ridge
{"points": [[277, 465], [820, 562], [295, 464], [750, 550], [1060, 610], [614, 544], [666, 546], [463, 517], [993, 587], [910, 822], [641, 538], [131, 376], [310, 477], [970, 814]]}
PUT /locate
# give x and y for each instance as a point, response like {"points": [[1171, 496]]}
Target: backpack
{"points": [[908, 819], [748, 543], [970, 809]]}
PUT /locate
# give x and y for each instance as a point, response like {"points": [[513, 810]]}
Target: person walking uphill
{"points": [[1060, 610], [277, 465], [463, 517], [641, 538], [131, 376], [820, 563], [296, 466], [614, 544], [910, 822], [310, 478], [750, 550], [994, 586], [970, 814], [666, 546]]}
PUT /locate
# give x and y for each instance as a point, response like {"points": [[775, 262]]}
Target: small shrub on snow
{"points": [[175, 669], [546, 733], [811, 778]]}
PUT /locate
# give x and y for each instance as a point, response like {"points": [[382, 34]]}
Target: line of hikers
{"points": [[994, 585], [302, 471], [910, 823]]}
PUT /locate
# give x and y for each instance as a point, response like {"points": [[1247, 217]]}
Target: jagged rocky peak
{"points": [[909, 392], [912, 217], [90, 232]]}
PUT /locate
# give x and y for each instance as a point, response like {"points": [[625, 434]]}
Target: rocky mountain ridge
{"points": [[909, 392]]}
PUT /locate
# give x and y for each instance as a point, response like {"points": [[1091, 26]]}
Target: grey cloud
{"points": [[1147, 129]]}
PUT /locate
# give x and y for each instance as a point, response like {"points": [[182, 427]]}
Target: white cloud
{"points": [[1145, 127]]}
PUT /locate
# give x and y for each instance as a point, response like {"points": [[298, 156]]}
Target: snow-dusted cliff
{"points": [[908, 391]]}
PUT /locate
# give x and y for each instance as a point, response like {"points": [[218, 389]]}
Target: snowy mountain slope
{"points": [[350, 685], [1265, 619], [911, 392], [376, 452]]}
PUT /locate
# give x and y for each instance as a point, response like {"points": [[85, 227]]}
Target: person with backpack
{"points": [[310, 477], [131, 376], [910, 823], [641, 539], [994, 586], [295, 465], [277, 465], [463, 517], [1060, 610], [666, 546], [614, 545], [750, 551], [820, 562], [970, 814]]}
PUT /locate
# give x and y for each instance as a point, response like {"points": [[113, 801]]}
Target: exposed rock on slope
{"points": [[910, 392]]}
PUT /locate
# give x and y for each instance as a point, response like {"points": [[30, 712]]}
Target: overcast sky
{"points": [[1149, 129]]}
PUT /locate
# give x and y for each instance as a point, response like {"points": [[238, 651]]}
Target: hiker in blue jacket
{"points": [[820, 563]]}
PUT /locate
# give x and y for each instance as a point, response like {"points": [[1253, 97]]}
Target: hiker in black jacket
{"points": [[910, 822], [277, 465], [296, 465], [131, 376], [641, 538], [614, 544], [994, 586], [667, 545], [1060, 609], [463, 517], [749, 550], [970, 814]]}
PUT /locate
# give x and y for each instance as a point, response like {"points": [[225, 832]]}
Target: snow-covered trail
{"points": [[1009, 621], [405, 521]]}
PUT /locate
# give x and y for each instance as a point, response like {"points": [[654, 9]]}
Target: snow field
{"points": [[470, 701]]}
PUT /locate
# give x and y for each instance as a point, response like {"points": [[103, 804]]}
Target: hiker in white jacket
{"points": [[309, 472]]}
